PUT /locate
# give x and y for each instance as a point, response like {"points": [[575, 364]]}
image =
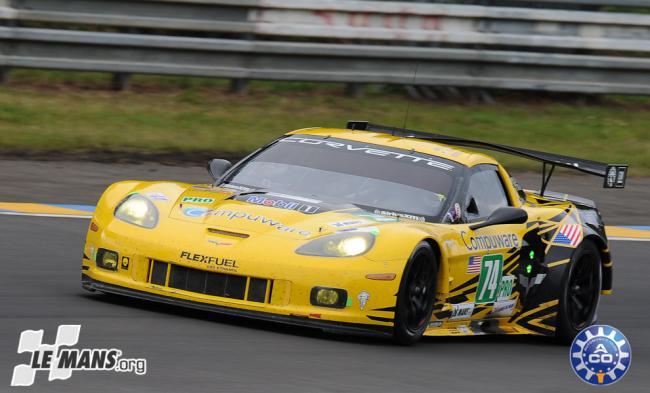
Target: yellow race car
{"points": [[368, 229]]}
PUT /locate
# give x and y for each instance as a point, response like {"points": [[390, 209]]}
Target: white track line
{"points": [[629, 239], [44, 215]]}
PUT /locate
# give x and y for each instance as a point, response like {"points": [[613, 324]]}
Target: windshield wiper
{"points": [[251, 192]]}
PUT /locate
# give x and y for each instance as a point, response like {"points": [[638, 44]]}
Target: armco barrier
{"points": [[337, 41]]}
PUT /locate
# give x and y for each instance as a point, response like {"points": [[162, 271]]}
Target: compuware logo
{"points": [[60, 360], [600, 355]]}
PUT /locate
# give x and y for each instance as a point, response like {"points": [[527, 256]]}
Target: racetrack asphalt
{"points": [[193, 351]]}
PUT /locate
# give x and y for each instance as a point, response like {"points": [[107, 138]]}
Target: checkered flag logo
{"points": [[32, 341]]}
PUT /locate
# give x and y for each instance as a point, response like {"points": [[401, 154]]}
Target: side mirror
{"points": [[217, 167], [503, 215]]}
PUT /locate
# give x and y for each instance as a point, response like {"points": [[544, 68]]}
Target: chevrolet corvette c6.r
{"points": [[368, 229]]}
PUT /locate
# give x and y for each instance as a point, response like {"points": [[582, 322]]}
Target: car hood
{"points": [[247, 214]]}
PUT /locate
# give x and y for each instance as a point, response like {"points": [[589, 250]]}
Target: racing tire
{"points": [[580, 293], [416, 295]]}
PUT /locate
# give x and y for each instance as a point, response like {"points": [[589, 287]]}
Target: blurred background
{"points": [[181, 81]]}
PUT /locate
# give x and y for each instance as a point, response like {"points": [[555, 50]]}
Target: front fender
{"points": [[397, 241], [111, 197]]}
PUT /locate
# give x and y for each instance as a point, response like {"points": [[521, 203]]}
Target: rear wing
{"points": [[614, 174]]}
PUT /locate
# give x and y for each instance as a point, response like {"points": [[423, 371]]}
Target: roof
{"points": [[459, 155]]}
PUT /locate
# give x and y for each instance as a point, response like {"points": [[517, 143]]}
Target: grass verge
{"points": [[50, 112]]}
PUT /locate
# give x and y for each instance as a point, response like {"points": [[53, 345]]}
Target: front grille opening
{"points": [[257, 290], [229, 286], [158, 273]]}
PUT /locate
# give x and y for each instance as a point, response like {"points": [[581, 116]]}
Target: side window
{"points": [[485, 194]]}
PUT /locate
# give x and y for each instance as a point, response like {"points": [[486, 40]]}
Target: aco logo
{"points": [[600, 355]]}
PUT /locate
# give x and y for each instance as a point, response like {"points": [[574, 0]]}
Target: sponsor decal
{"points": [[297, 198], [125, 263], [400, 215], [600, 355], [219, 243], [369, 150], [461, 311], [569, 234], [346, 223], [200, 200], [229, 264], [282, 204], [528, 282], [464, 329], [363, 298], [616, 175], [611, 177], [621, 176], [503, 308], [373, 230], [240, 215], [60, 360], [474, 264], [374, 217], [157, 196], [488, 282], [489, 242], [435, 324], [195, 211], [505, 287]]}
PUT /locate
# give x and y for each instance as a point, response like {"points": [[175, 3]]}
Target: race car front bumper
{"points": [[260, 277], [93, 285]]}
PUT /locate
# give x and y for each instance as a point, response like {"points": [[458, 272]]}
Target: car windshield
{"points": [[376, 178]]}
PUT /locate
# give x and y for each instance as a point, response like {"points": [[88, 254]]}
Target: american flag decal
{"points": [[569, 234], [474, 264]]}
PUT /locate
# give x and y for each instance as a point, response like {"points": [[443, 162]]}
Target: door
{"points": [[484, 260]]}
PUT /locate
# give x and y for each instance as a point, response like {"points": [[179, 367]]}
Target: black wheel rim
{"points": [[583, 291], [419, 298]]}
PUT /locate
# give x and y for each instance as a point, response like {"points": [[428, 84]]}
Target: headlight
{"points": [[342, 244], [137, 210], [106, 259], [328, 297]]}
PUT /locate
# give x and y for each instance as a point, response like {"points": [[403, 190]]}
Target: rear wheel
{"points": [[416, 295], [580, 292]]}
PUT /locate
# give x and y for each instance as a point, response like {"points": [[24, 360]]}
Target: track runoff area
{"points": [[623, 233]]}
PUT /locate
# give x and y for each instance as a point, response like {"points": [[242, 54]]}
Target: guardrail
{"points": [[337, 41], [562, 3]]}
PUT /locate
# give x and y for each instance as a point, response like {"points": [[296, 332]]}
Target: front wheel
{"points": [[580, 292], [416, 295]]}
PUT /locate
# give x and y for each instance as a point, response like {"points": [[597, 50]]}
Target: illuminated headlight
{"points": [[342, 244], [137, 210]]}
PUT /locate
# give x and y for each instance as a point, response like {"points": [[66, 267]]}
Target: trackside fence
{"points": [[581, 46]]}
